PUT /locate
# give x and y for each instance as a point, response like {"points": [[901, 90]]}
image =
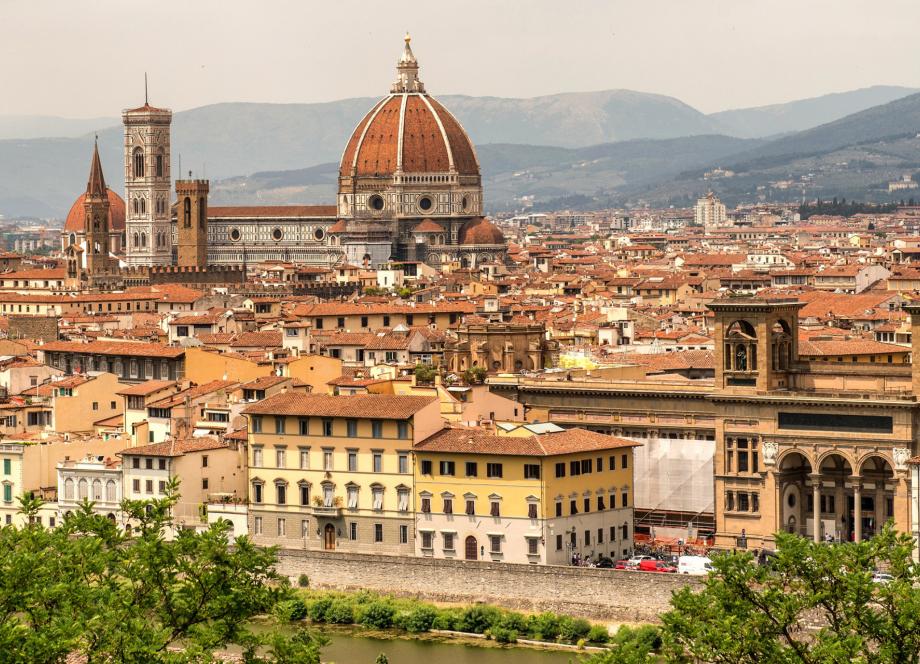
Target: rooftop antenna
{"points": [[146, 101]]}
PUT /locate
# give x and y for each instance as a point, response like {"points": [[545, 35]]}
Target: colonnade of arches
{"points": [[833, 497]]}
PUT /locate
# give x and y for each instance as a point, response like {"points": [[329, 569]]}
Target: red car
{"points": [[621, 564], [656, 566]]}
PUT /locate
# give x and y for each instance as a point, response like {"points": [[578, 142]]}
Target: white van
{"points": [[695, 565]]}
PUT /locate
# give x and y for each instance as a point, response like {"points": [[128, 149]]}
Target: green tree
{"points": [[155, 595], [425, 373], [748, 613]]}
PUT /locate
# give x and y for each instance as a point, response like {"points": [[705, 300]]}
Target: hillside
{"points": [[762, 121]]}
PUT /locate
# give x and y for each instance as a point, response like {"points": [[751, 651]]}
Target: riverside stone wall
{"points": [[599, 594]]}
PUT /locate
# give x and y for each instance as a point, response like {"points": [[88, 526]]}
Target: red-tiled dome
{"points": [[76, 218], [408, 131], [431, 138], [480, 230], [428, 226]]}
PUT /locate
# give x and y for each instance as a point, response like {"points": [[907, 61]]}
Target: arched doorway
{"points": [[329, 537], [471, 548], [876, 501], [793, 472], [835, 499]]}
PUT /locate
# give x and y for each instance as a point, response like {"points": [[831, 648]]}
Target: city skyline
{"points": [[711, 55]]}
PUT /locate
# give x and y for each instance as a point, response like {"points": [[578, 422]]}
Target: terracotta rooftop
{"points": [[478, 441], [128, 348], [373, 406], [175, 448]]}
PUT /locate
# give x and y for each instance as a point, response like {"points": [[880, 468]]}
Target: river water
{"points": [[354, 649]]}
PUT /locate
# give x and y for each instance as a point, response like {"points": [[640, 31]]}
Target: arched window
{"points": [[138, 163], [160, 165], [187, 212], [201, 213], [136, 208], [110, 495], [82, 489], [68, 489], [143, 206], [143, 239], [97, 490], [137, 240]]}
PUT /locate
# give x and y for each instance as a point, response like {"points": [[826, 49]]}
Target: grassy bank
{"points": [[372, 612]]}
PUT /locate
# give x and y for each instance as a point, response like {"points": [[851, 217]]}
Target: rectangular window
{"points": [[378, 462], [303, 426], [148, 486], [136, 486], [558, 542], [305, 528], [531, 471], [585, 466], [448, 539], [574, 468], [755, 502], [378, 532], [495, 543], [472, 469], [95, 405], [8, 466], [446, 468], [353, 531], [279, 424], [352, 461], [624, 499], [426, 539], [613, 534], [426, 505], [257, 424], [281, 494], [531, 510], [533, 546], [471, 507], [558, 508], [149, 463], [587, 503], [204, 484], [204, 460], [327, 459], [600, 535], [402, 430], [304, 494], [282, 527], [327, 428], [599, 464], [257, 457], [743, 501], [257, 525], [403, 463], [573, 507], [587, 538], [495, 509], [162, 487], [560, 469], [304, 458], [352, 428], [493, 470], [624, 461], [162, 464], [426, 467], [377, 429], [280, 458], [600, 503], [404, 534], [135, 463], [7, 493]]}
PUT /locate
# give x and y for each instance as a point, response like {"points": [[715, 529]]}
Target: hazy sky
{"points": [[84, 58]]}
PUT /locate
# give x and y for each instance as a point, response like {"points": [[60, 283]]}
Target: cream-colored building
{"points": [[335, 472], [79, 401], [709, 212]]}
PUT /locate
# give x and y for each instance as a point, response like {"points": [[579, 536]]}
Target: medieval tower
{"points": [[147, 185], [192, 222]]}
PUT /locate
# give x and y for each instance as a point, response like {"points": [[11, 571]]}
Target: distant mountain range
{"points": [[597, 147]]}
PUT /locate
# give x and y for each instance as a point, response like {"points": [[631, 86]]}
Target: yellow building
{"points": [[523, 498], [335, 472], [80, 401], [202, 365]]}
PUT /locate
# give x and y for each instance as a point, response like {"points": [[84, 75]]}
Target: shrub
{"points": [[544, 627], [516, 622], [646, 638], [419, 619], [291, 610], [446, 619], [477, 619], [581, 644], [573, 629], [503, 634], [318, 608], [598, 634], [303, 581], [340, 612], [378, 615]]}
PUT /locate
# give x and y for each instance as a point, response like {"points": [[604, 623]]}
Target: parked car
{"points": [[882, 577], [695, 565], [604, 562], [635, 560], [656, 566], [621, 564]]}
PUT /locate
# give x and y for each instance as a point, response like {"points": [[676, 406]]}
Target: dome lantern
{"points": [[407, 79]]}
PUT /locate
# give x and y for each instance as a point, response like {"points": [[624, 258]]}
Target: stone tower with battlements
{"points": [[192, 223]]}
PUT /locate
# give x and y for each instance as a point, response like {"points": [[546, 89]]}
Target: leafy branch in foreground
{"points": [[145, 594]]}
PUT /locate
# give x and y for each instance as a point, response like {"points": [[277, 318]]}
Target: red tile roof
{"points": [[478, 441], [373, 406]]}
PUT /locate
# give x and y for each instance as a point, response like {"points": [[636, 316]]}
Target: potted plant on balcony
{"points": [[337, 501], [317, 501]]}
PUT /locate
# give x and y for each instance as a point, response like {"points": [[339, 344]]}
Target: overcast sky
{"points": [[85, 58]]}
